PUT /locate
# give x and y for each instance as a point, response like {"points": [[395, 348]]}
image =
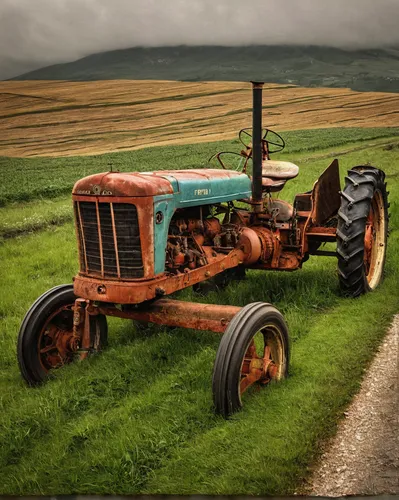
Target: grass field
{"points": [[35, 192], [138, 418], [75, 118]]}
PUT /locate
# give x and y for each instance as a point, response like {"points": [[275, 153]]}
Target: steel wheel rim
{"points": [[374, 241], [56, 345], [274, 369]]}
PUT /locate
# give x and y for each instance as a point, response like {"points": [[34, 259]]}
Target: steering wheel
{"points": [[245, 136], [241, 161]]}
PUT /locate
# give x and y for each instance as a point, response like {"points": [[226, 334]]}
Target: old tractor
{"points": [[143, 236]]}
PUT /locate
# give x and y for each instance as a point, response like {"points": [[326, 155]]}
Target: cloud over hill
{"points": [[49, 31]]}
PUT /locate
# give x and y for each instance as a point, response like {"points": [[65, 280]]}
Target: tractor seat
{"points": [[282, 170], [272, 185]]}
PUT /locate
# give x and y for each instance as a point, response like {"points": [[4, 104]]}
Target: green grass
{"points": [[138, 418], [26, 179], [19, 218]]}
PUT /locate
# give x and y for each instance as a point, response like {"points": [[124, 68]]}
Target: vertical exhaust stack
{"points": [[257, 144]]}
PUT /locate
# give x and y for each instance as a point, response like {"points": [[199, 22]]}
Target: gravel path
{"points": [[363, 457]]}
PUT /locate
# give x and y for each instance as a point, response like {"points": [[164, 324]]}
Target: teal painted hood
{"points": [[193, 188], [205, 186]]}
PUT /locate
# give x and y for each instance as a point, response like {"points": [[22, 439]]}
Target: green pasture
{"points": [[138, 418], [35, 192], [26, 179]]}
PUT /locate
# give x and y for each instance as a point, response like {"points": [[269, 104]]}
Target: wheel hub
{"points": [[57, 344], [257, 369]]}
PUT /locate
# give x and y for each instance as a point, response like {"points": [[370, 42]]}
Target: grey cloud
{"points": [[39, 32]]}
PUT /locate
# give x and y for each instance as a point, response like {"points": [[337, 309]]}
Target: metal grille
{"points": [[109, 239]]}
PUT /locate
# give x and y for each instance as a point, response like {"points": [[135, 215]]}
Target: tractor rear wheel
{"points": [[362, 231], [254, 350], [45, 340]]}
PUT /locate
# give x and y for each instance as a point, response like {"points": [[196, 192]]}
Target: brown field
{"points": [[54, 118]]}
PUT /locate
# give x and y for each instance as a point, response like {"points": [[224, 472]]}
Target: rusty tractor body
{"points": [[143, 236]]}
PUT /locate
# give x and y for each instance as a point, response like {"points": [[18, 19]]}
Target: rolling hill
{"points": [[309, 66]]}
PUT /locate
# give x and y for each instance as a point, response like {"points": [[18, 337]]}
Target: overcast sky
{"points": [[35, 33]]}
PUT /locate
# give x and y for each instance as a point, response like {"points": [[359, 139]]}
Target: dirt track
{"points": [[363, 457]]}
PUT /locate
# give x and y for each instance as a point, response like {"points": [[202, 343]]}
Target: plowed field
{"points": [[79, 118]]}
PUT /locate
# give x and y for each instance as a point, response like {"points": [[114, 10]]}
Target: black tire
{"points": [[362, 231], [39, 317], [256, 319]]}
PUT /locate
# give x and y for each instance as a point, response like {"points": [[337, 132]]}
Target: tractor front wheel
{"points": [[254, 350], [362, 231], [46, 341]]}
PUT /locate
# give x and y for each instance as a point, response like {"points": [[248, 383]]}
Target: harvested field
{"points": [[47, 118]]}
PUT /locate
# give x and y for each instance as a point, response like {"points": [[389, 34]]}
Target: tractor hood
{"points": [[191, 187], [122, 184]]}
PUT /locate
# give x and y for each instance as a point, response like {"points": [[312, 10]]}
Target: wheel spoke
{"points": [[253, 376], [267, 354], [252, 367], [48, 349], [53, 345]]}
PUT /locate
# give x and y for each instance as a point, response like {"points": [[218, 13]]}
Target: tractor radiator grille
{"points": [[109, 239]]}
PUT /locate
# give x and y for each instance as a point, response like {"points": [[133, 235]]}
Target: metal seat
{"points": [[279, 169], [272, 185]]}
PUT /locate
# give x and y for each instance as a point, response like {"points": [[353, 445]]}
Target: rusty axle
{"points": [[170, 312]]}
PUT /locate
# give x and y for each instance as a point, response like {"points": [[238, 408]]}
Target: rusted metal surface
{"points": [[326, 199], [145, 215], [303, 203], [280, 210], [250, 245], [135, 292], [267, 242], [212, 227], [287, 261], [257, 368], [81, 326], [169, 312], [322, 233], [142, 184], [57, 343], [118, 184]]}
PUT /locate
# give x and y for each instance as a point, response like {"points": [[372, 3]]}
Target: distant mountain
{"points": [[310, 66]]}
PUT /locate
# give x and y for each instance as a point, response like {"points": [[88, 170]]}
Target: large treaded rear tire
{"points": [[252, 322], [362, 231]]}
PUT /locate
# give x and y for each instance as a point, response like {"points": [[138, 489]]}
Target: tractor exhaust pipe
{"points": [[257, 144]]}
